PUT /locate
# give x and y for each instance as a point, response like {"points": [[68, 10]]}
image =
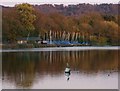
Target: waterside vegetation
{"points": [[93, 28]]}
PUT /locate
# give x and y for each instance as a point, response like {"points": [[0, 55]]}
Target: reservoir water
{"points": [[43, 68]]}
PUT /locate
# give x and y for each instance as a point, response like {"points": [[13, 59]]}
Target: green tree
{"points": [[26, 17]]}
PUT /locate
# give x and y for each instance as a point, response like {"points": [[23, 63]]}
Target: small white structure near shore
{"points": [[30, 39], [22, 41]]}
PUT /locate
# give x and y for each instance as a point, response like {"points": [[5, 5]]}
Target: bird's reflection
{"points": [[68, 76], [67, 72]]}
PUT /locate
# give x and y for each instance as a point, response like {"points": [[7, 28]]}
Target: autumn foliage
{"points": [[97, 28]]}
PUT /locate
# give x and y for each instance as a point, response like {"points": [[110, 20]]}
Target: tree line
{"points": [[94, 27]]}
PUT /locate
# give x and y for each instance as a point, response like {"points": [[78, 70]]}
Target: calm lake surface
{"points": [[44, 69]]}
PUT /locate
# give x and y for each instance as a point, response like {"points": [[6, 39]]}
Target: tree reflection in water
{"points": [[22, 67]]}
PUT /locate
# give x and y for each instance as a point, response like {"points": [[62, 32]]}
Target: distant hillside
{"points": [[96, 24], [75, 10]]}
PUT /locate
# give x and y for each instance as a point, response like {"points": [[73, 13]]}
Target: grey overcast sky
{"points": [[65, 2]]}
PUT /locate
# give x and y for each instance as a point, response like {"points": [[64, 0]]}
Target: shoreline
{"points": [[19, 46], [75, 48]]}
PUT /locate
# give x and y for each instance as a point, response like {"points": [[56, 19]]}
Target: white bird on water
{"points": [[67, 72], [67, 69]]}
